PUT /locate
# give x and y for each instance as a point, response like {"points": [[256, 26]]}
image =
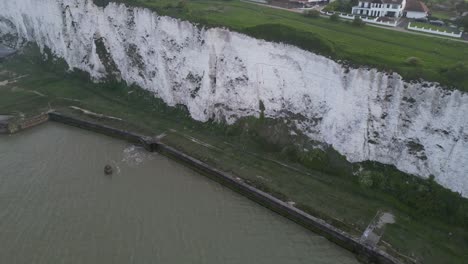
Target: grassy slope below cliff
{"points": [[431, 221], [441, 60]]}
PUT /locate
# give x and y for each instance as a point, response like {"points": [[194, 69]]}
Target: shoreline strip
{"points": [[319, 226]]}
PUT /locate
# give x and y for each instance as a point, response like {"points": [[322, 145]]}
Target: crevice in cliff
{"points": [[112, 70]]}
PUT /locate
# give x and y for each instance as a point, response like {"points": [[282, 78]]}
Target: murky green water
{"points": [[57, 206]]}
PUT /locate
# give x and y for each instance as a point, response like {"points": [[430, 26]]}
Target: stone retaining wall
{"points": [[437, 32]]}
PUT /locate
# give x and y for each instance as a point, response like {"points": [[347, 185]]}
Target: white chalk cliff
{"points": [[364, 114]]}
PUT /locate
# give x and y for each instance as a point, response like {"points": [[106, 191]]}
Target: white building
{"points": [[380, 8], [416, 9]]}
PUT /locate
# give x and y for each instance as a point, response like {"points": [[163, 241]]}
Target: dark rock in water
{"points": [[108, 170]]}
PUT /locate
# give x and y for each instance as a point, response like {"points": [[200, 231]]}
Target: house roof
{"points": [[416, 6]]}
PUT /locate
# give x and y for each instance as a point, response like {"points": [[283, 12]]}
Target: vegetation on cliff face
{"points": [[431, 220], [442, 60]]}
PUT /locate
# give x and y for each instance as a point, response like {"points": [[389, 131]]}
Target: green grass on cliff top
{"points": [[442, 60]]}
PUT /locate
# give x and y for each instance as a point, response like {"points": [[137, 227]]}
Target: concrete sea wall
{"points": [[339, 237], [99, 128]]}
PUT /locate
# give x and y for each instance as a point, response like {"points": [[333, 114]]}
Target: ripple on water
{"points": [[134, 155]]}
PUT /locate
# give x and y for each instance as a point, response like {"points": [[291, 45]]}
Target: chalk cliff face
{"points": [[364, 114]]}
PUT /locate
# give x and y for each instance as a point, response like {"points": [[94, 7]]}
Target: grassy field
{"points": [[433, 27], [443, 14], [321, 183], [443, 60]]}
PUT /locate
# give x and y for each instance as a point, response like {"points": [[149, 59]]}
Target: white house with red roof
{"points": [[391, 8], [380, 8]]}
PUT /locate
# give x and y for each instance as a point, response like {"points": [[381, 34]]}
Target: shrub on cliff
{"points": [[456, 73], [261, 107], [424, 197], [314, 159], [101, 3], [104, 3], [357, 22], [365, 179], [335, 17], [181, 4], [413, 61], [341, 6], [312, 13], [369, 179], [180, 7]]}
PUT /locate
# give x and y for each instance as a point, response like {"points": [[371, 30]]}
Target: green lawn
{"points": [[320, 183], [433, 27], [443, 60], [444, 14]]}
